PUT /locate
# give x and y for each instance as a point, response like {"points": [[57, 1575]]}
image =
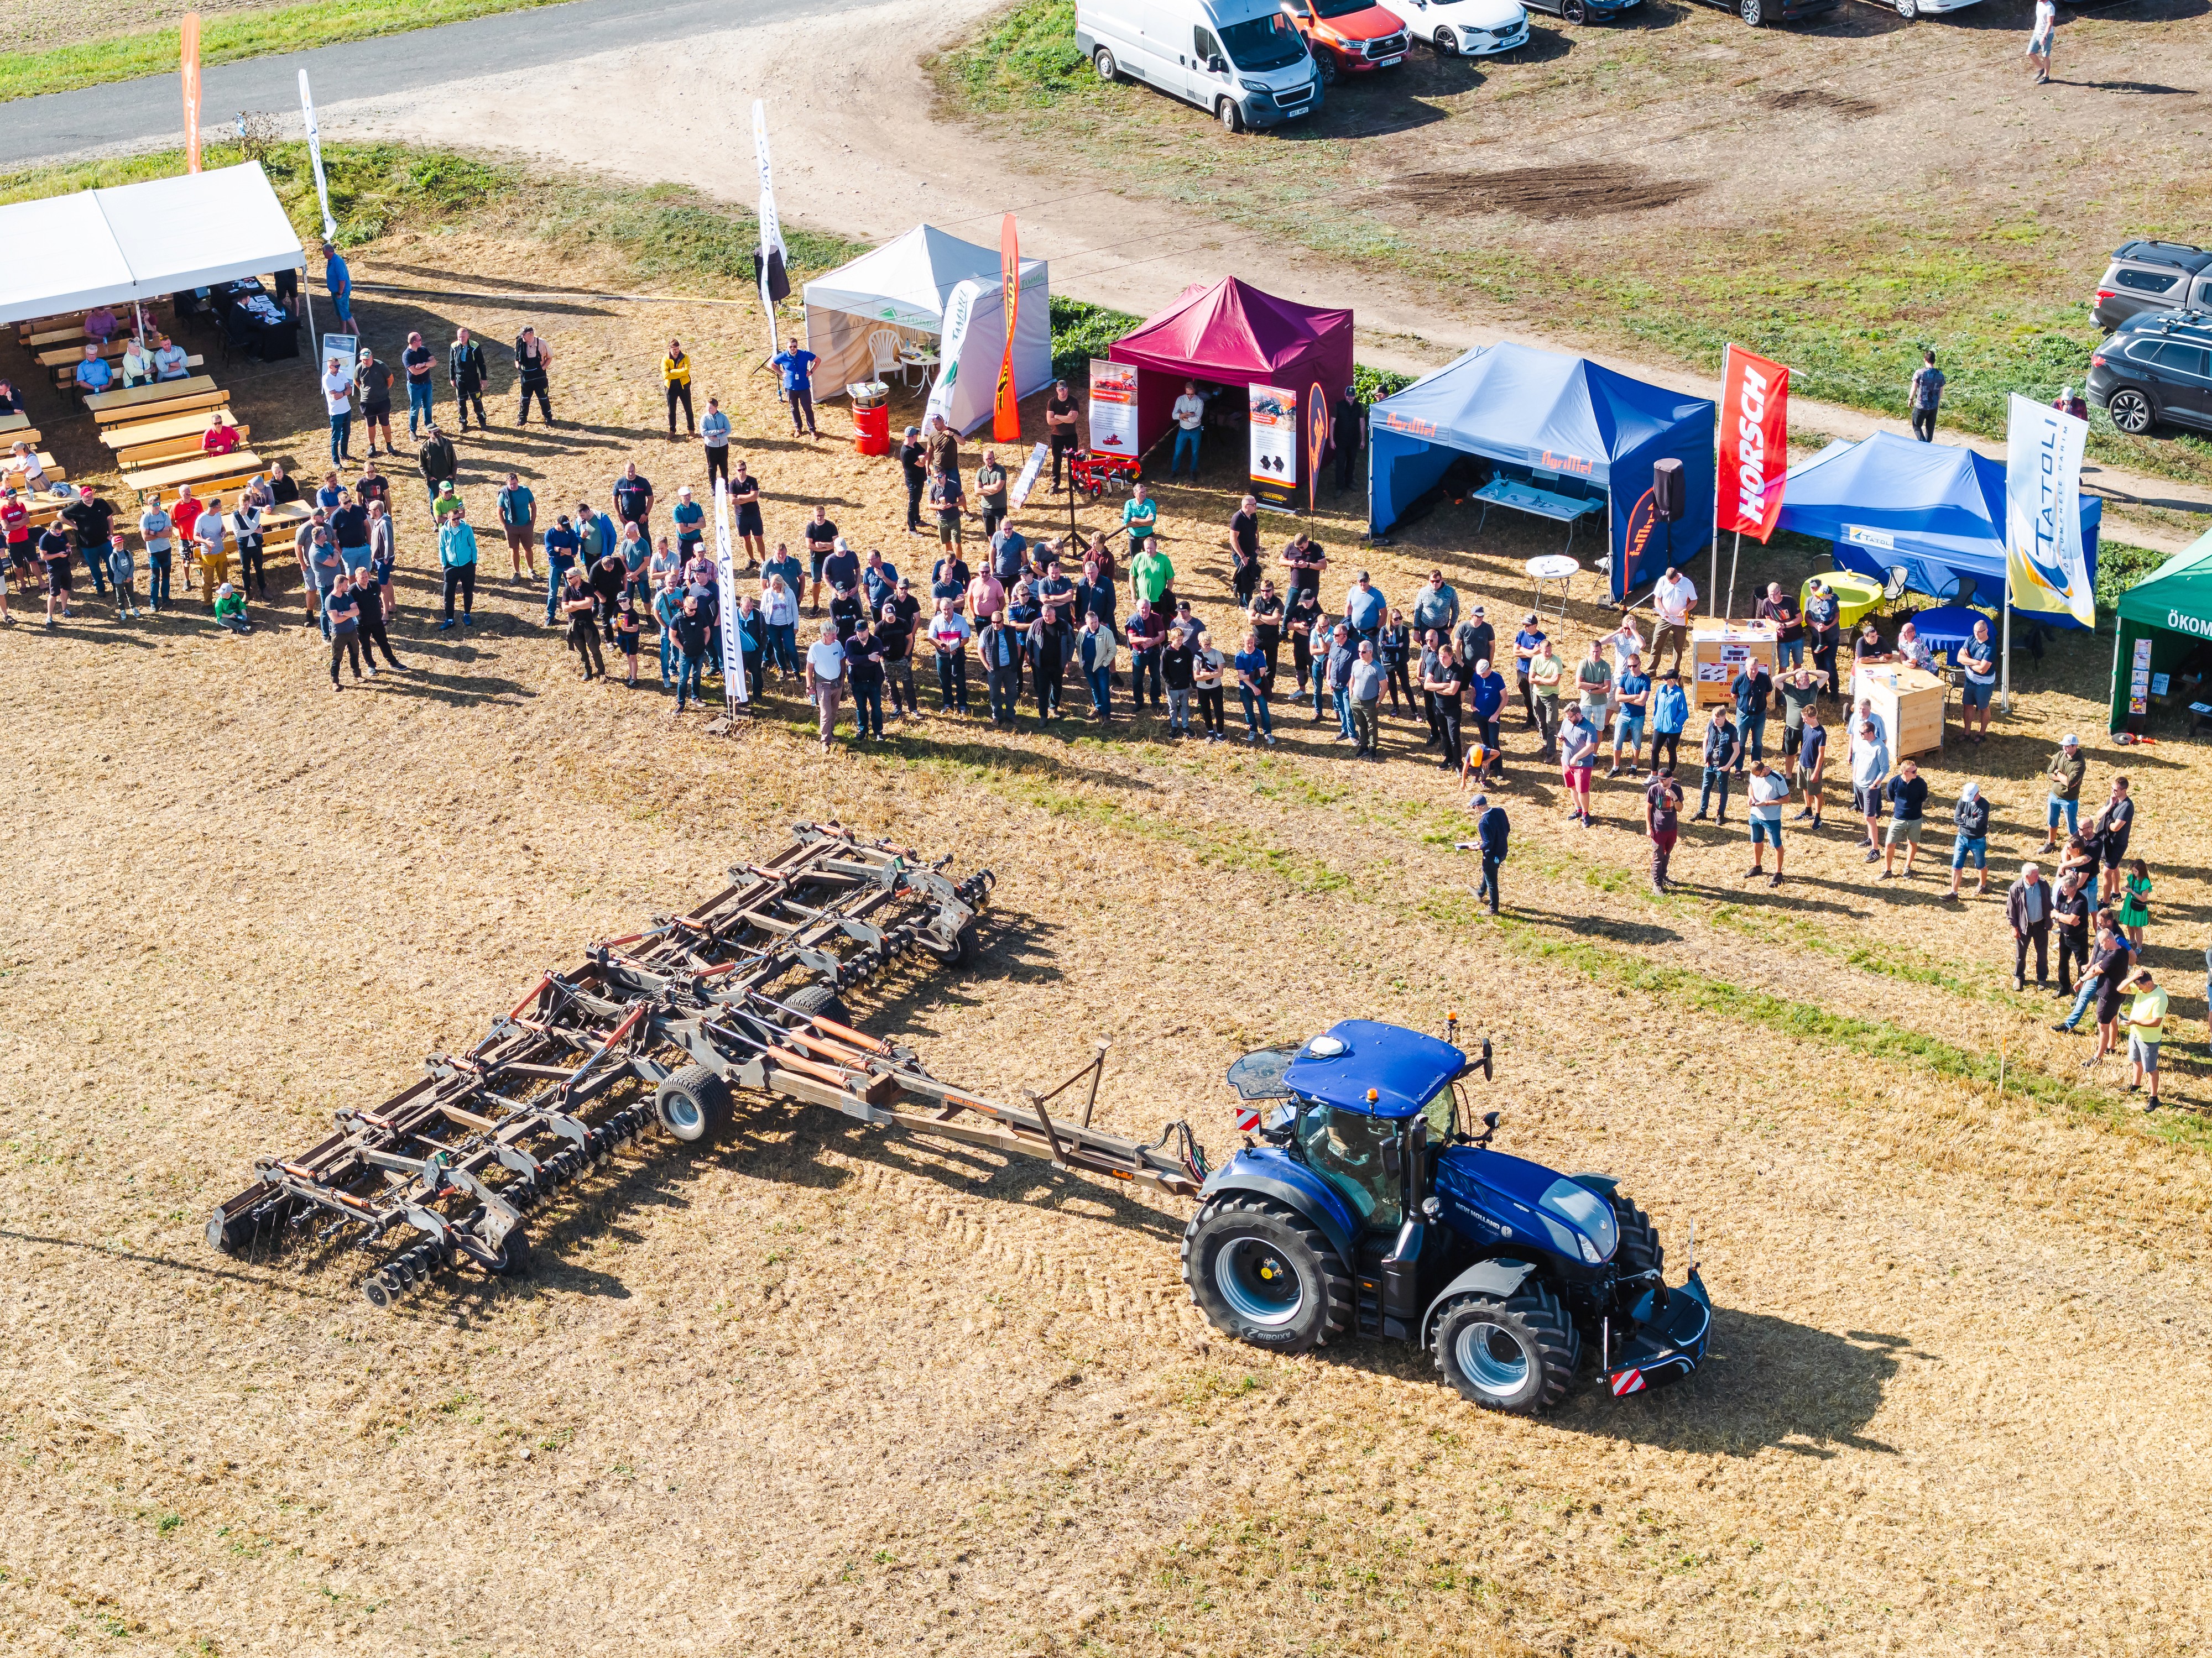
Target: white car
{"points": [[1463, 28]]}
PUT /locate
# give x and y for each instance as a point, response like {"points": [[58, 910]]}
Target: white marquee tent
{"points": [[67, 254], [907, 286]]}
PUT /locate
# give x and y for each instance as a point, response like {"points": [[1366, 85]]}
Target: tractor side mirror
{"points": [[1489, 1126], [1486, 1077]]}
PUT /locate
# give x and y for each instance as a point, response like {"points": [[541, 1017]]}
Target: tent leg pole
{"points": [[2112, 716], [2008, 647], [1713, 576], [1735, 557]]}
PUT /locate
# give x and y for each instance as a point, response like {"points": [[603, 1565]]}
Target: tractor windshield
{"points": [[1440, 1115], [1346, 1147]]}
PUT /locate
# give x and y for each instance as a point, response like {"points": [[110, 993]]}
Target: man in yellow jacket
{"points": [[676, 372]]}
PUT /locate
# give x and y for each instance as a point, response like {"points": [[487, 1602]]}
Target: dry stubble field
{"points": [[813, 1391]]}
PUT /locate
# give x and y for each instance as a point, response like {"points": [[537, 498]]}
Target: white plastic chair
{"points": [[884, 355]]}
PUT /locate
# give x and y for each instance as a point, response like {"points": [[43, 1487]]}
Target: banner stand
{"points": [[2007, 689]]}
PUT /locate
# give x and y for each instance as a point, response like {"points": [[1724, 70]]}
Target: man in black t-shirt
{"points": [[1908, 800], [1059, 427], [634, 500], [1244, 549], [374, 379], [94, 520], [55, 553], [841, 568], [821, 542]]}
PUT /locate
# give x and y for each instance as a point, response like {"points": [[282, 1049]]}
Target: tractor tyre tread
{"points": [[708, 1094], [819, 1000], [1336, 1309], [1533, 1315], [1640, 1249]]}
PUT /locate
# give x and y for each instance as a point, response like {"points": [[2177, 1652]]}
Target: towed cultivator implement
{"points": [[740, 993]]}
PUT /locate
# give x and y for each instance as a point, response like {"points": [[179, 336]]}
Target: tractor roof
{"points": [[1404, 1067]]}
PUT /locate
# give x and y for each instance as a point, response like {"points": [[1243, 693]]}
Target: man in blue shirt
{"points": [[94, 374], [797, 364], [1486, 691], [1524, 650], [1980, 657], [1753, 687], [1363, 609], [339, 280], [715, 434], [1634, 690], [562, 547]]}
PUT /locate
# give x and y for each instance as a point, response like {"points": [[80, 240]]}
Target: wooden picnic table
{"points": [[63, 356], [13, 424], [162, 397], [242, 463], [65, 374], [131, 435]]}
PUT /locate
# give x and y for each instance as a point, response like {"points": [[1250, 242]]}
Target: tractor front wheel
{"points": [[1261, 1272], [1640, 1249], [1516, 1355]]}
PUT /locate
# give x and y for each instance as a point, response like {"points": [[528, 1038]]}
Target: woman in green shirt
{"points": [[2134, 903]]}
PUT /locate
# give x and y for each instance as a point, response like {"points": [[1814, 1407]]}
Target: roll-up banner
{"points": [[1113, 408], [959, 314], [1272, 411], [2045, 568]]}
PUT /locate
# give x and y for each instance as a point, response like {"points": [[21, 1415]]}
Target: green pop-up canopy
{"points": [[2170, 611]]}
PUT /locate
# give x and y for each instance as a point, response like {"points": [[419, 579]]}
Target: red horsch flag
{"points": [[1755, 443], [1005, 417]]}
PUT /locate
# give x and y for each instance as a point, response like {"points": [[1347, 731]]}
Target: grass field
{"points": [[79, 47], [812, 1389], [1524, 188]]}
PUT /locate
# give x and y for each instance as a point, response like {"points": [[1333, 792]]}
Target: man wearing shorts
{"points": [[1908, 800], [1578, 756], [745, 502], [947, 501], [1980, 659], [821, 542], [1972, 817], [1869, 765], [1633, 687], [2146, 1024], [55, 554], [518, 516], [1767, 792]]}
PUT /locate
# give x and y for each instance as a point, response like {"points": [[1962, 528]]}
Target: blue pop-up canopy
{"points": [[1568, 423], [1935, 511]]}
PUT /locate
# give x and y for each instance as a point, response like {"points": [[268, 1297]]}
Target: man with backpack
{"points": [[464, 367]]}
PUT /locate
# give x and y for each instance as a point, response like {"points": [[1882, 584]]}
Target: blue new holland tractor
{"points": [[1369, 1207]]}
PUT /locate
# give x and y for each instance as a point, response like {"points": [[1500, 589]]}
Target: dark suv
{"points": [[2156, 369], [2153, 276]]}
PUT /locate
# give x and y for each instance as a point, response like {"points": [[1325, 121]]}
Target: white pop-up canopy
{"points": [[907, 286], [139, 242]]}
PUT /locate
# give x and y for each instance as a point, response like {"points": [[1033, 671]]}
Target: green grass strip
{"points": [[226, 37]]}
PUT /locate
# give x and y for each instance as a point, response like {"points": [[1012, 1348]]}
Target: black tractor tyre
{"points": [[693, 1104], [1519, 1355], [1640, 1250], [819, 1001], [1263, 1273], [963, 942]]}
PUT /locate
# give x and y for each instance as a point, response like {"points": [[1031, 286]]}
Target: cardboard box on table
{"points": [[1718, 651], [1910, 702]]}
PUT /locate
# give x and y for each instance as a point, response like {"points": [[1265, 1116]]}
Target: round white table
{"points": [[1543, 572]]}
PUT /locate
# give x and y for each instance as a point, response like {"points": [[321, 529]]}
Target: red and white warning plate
{"points": [[1627, 1382]]}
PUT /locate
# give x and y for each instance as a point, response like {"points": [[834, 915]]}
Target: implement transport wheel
{"points": [[961, 953], [1640, 1249], [1516, 1355], [822, 1001], [514, 1253], [1261, 1272], [693, 1104]]}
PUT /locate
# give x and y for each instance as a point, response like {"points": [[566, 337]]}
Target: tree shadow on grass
{"points": [[1598, 926]]}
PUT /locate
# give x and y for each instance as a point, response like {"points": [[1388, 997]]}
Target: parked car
{"points": [[1464, 28], [2152, 277], [1909, 10], [1239, 59], [2156, 371], [1349, 37], [1758, 12], [1581, 11]]}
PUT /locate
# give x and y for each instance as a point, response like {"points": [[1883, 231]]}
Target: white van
{"points": [[1239, 60]]}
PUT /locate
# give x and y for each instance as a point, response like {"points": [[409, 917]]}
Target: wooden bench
{"points": [[130, 435], [240, 463], [10, 436], [162, 397], [176, 448]]}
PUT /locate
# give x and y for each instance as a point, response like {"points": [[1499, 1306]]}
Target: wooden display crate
{"points": [[1911, 702], [1718, 651]]}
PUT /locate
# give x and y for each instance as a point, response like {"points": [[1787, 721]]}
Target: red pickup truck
{"points": [[1348, 37]]}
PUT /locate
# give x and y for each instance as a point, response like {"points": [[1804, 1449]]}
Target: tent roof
{"points": [[138, 242], [908, 280], [1231, 332], [2183, 582], [1537, 408], [1938, 499]]}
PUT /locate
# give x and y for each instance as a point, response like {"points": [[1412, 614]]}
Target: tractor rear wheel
{"points": [[693, 1104], [1516, 1355], [1640, 1249], [1261, 1272]]}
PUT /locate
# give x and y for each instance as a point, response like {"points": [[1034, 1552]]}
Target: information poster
{"points": [[2139, 679], [1113, 408], [344, 347], [1019, 497], [1274, 424]]}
